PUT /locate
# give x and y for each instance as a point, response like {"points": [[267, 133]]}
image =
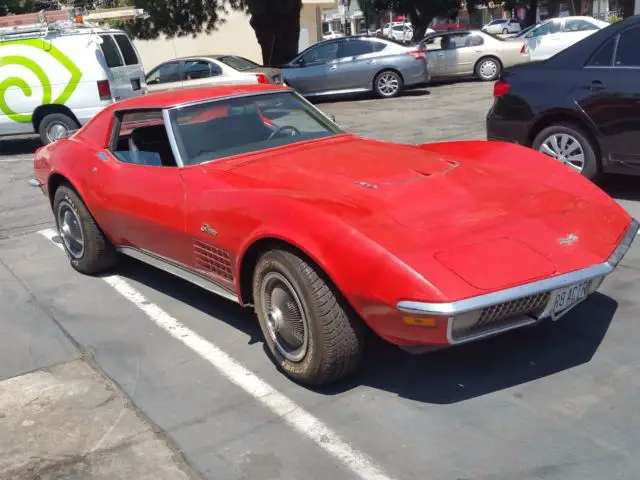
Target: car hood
{"points": [[434, 211]]}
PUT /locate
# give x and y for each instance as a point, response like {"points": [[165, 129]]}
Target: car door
{"points": [[610, 97], [542, 41], [356, 64], [139, 201], [124, 67], [312, 71], [166, 76], [460, 54], [436, 55]]}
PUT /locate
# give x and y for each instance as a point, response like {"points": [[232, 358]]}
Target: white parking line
{"points": [[295, 416]]}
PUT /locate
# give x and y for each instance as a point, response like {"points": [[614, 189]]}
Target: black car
{"points": [[581, 106]]}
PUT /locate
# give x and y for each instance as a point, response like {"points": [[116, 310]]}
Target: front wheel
{"points": [[89, 251], [388, 84], [308, 328]]}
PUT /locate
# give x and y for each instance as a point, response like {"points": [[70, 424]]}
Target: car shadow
{"points": [[19, 145], [622, 187], [441, 377]]}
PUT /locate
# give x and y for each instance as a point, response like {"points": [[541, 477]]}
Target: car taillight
{"points": [[418, 54], [262, 78], [523, 50], [500, 88], [104, 90]]}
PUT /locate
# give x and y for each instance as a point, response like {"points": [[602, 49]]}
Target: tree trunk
{"points": [[419, 22], [532, 13], [628, 8], [278, 35]]}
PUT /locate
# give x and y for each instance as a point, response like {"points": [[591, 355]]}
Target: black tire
{"points": [[98, 253], [591, 169], [335, 335], [505, 31], [55, 119], [481, 71], [391, 75]]}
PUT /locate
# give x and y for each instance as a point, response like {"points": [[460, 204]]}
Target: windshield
{"points": [[233, 126], [238, 63]]}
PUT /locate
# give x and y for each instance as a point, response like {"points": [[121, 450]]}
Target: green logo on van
{"points": [[43, 79]]}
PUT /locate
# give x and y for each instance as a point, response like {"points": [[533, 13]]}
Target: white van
{"points": [[55, 76]]}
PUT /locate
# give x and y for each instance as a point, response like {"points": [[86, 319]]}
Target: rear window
{"points": [[128, 52], [110, 51], [238, 63]]}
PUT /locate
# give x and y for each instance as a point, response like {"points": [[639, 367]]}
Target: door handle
{"points": [[596, 85], [439, 54]]}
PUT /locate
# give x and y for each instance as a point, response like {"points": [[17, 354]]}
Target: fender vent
{"points": [[212, 259]]}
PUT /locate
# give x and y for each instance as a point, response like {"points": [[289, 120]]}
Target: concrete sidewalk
{"points": [[67, 422]]}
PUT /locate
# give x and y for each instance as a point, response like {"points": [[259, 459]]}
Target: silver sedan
{"points": [[356, 64], [470, 53]]}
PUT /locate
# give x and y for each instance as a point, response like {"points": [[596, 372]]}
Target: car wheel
{"points": [[505, 31], [388, 84], [488, 69], [308, 327], [570, 145], [55, 125], [88, 249]]}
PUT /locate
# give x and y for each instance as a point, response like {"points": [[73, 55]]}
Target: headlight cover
{"points": [[623, 247]]}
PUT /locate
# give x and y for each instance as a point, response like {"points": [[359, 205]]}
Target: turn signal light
{"points": [[421, 321], [262, 78], [500, 88]]}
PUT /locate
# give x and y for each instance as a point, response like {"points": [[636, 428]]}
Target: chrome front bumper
{"points": [[526, 294]]}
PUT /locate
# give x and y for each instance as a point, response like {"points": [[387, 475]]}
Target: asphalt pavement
{"points": [[141, 375]]}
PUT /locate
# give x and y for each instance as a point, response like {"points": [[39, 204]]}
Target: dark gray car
{"points": [[356, 64]]}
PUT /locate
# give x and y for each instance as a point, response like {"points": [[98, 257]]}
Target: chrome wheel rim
{"points": [[388, 84], [70, 230], [488, 69], [286, 320], [564, 148], [55, 131]]}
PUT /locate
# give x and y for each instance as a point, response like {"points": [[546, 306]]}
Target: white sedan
{"points": [[556, 34], [502, 25]]}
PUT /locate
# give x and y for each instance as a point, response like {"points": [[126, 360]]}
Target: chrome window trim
{"points": [[172, 137], [179, 271], [514, 293]]}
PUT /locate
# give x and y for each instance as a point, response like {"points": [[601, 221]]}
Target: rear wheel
{"points": [[505, 31], [488, 69], [570, 145], [54, 126], [89, 251], [308, 328], [388, 84]]}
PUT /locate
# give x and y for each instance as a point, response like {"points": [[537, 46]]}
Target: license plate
{"points": [[569, 296]]}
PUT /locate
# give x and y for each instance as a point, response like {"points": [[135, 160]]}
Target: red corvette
{"points": [[254, 194]]}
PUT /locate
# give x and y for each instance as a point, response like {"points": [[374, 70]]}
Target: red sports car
{"points": [[254, 194]]}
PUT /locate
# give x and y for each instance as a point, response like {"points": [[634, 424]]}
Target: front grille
{"points": [[501, 315], [531, 305]]}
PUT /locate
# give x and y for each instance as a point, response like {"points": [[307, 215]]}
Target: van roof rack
{"points": [[39, 24]]}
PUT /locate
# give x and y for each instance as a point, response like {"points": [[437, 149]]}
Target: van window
{"points": [[128, 52], [110, 50]]}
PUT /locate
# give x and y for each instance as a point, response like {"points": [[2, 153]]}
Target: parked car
{"points": [[580, 106], [59, 74], [469, 53], [503, 26], [556, 34], [253, 193], [202, 70], [356, 64]]}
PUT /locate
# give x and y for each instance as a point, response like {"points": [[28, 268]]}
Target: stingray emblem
{"points": [[569, 239], [207, 229], [20, 62]]}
